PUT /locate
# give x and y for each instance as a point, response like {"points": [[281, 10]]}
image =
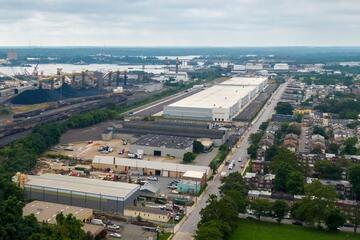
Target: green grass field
{"points": [[254, 230]]}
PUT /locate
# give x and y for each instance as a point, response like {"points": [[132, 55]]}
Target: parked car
{"points": [[115, 235], [113, 227], [97, 221], [172, 186], [152, 178]]}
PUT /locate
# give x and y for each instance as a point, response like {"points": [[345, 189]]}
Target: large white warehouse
{"points": [[218, 103], [259, 82]]}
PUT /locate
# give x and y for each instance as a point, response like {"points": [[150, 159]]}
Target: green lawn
{"points": [[254, 230]]}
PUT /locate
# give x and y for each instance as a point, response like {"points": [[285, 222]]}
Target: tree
{"points": [[264, 125], [280, 209], [354, 216], [261, 207], [210, 230], [334, 219], [318, 200], [233, 181], [252, 150], [295, 183], [354, 178], [198, 147], [271, 152], [234, 187], [349, 146], [328, 170], [189, 157], [284, 108], [333, 148], [288, 175], [319, 130]]}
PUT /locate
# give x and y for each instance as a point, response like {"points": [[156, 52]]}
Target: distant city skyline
{"points": [[150, 23]]}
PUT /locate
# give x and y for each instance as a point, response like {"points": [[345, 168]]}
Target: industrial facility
{"points": [[102, 195], [149, 168], [162, 145], [221, 102]]}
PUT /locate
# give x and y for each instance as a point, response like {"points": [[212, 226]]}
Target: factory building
{"points": [[47, 212], [162, 145], [96, 194], [149, 168], [259, 82], [179, 128], [218, 103]]}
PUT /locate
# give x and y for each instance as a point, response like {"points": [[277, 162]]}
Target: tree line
{"points": [[21, 156]]}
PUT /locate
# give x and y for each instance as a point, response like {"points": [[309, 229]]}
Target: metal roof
{"points": [[218, 96], [82, 185], [245, 81], [193, 174], [46, 211], [134, 163], [167, 141]]}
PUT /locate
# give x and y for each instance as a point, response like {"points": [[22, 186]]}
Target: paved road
{"points": [[188, 228]]}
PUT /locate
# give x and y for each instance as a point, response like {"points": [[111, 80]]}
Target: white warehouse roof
{"points": [[79, 184], [134, 163], [193, 174], [219, 96], [245, 81]]}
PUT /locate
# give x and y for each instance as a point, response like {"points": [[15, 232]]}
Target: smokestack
{"points": [[125, 78], [82, 79], [110, 78], [117, 78]]}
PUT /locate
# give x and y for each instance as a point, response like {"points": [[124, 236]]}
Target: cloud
{"points": [[174, 23]]}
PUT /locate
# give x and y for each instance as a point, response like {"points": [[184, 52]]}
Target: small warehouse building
{"points": [[47, 211], [163, 145], [106, 196], [143, 167], [147, 213], [195, 176]]}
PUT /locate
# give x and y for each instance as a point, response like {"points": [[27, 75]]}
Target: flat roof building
{"points": [[181, 128], [144, 167], [218, 103], [245, 81], [47, 212], [163, 145], [103, 195]]}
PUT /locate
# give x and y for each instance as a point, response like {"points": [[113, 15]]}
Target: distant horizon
{"points": [[177, 46]]}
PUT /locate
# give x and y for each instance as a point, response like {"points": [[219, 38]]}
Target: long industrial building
{"points": [[102, 195], [221, 102], [149, 168]]}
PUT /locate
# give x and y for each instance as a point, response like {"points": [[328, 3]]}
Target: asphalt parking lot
{"points": [[133, 232], [162, 183]]}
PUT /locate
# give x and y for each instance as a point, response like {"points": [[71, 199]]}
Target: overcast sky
{"points": [[180, 22]]}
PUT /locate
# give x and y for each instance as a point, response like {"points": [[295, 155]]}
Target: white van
{"points": [[97, 221]]}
